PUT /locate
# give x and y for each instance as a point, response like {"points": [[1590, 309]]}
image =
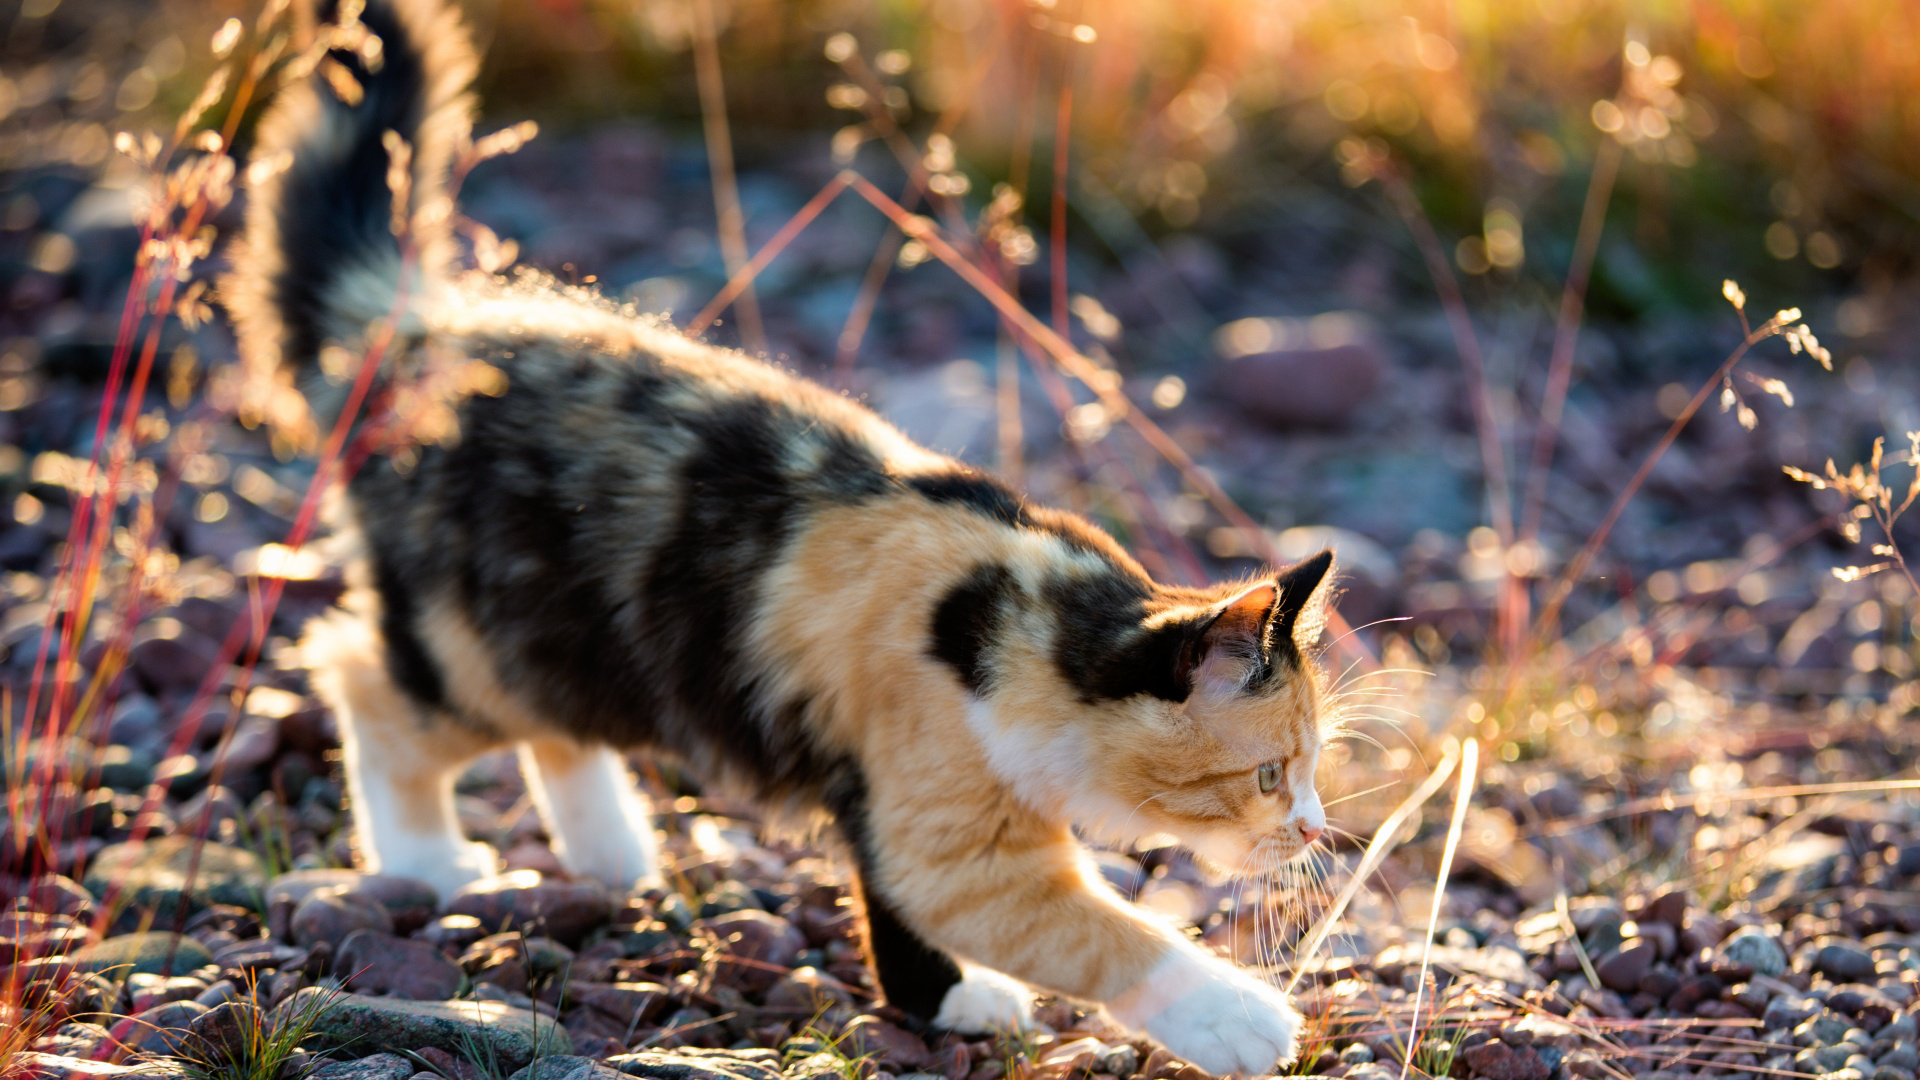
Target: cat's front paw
{"points": [[985, 1002], [1212, 1013]]}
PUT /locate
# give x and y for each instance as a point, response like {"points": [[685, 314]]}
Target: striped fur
{"points": [[647, 543]]}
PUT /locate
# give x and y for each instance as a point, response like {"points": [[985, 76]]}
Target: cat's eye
{"points": [[1269, 776]]}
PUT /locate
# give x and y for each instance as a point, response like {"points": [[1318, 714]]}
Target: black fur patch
{"points": [[738, 508], [965, 624], [335, 209], [977, 492], [1106, 653], [411, 668], [913, 975]]}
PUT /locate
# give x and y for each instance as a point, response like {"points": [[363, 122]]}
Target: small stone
{"points": [[523, 900], [382, 1066], [1754, 950], [163, 1029], [151, 875], [890, 1044], [357, 1025], [1310, 374], [633, 1003], [754, 948], [378, 963], [692, 1063], [1669, 907], [1499, 1060], [728, 897], [1623, 971], [1843, 962], [411, 903], [330, 915], [566, 1067], [151, 952]]}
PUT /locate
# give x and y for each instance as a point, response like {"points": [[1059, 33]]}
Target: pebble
{"points": [[378, 1066], [151, 952], [754, 947], [1754, 950], [151, 876], [523, 900], [331, 915], [356, 1025], [1843, 962], [692, 1063], [1623, 970], [373, 962]]}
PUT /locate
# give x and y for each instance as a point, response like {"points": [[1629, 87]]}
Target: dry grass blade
{"points": [[726, 190], [1376, 852], [1463, 797]]}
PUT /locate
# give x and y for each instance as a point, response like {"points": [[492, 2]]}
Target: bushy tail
{"points": [[320, 257]]}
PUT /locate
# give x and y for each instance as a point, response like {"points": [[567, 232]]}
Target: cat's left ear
{"points": [[1305, 596]]}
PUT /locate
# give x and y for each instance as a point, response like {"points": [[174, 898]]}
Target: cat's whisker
{"points": [[1350, 798]]}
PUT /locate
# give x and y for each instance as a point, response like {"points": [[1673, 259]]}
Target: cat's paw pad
{"points": [[1214, 1014], [985, 1002]]}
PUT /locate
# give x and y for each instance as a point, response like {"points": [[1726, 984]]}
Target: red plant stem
{"points": [[1578, 566], [1058, 218], [1083, 369], [1566, 331], [741, 281]]}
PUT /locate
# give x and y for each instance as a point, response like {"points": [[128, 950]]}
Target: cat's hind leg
{"points": [[600, 823], [401, 758]]}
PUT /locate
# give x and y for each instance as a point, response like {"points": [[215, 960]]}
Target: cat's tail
{"points": [[329, 246]]}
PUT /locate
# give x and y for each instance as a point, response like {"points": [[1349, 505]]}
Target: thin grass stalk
{"points": [[1377, 850], [1463, 797], [1571, 574], [726, 190]]}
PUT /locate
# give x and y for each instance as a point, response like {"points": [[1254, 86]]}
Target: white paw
{"points": [[1212, 1013], [447, 867], [620, 871], [985, 1002]]}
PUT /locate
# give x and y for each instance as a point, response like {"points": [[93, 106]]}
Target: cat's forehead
{"points": [[1283, 720]]}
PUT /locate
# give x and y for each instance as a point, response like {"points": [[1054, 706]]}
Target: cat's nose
{"points": [[1308, 832]]}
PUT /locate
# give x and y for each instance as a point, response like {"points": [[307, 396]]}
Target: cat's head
{"points": [[1220, 747]]}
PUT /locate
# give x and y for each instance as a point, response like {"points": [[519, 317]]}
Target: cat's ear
{"points": [[1306, 594], [1233, 641]]}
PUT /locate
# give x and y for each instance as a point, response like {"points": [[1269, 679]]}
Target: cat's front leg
{"points": [[1022, 897]]}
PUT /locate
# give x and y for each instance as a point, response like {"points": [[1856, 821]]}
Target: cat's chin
{"points": [[1226, 858]]}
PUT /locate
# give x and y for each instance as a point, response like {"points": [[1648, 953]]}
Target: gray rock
{"points": [[381, 1066], [401, 896], [689, 1063], [1754, 950], [151, 875], [1844, 962], [353, 1025], [566, 1067], [152, 952]]}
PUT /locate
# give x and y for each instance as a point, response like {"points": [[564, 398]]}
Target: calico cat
{"points": [[645, 542]]}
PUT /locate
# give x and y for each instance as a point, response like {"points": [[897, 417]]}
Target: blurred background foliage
{"points": [[1761, 133]]}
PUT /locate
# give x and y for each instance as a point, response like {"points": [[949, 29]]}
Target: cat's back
{"points": [[604, 526]]}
